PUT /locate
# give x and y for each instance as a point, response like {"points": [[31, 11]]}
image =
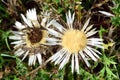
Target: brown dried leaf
{"points": [[1, 75]]}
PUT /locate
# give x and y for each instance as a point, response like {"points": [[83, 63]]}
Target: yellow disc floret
{"points": [[74, 40]]}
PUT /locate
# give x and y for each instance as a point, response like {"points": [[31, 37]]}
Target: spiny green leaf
{"points": [[109, 72], [102, 72]]}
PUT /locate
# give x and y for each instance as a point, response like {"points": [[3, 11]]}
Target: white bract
{"points": [[106, 13]]}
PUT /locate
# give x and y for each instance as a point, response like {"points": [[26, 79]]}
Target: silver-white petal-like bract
{"points": [[106, 13]]}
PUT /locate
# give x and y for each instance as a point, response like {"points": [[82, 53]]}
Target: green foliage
{"points": [[1, 61], [21, 68], [102, 31], [4, 37], [87, 4], [59, 75], [115, 20], [85, 75], [117, 1], [116, 10], [3, 64], [42, 74], [106, 70], [3, 12]]}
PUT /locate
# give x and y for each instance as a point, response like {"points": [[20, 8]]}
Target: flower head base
{"points": [[76, 44], [34, 37], [30, 38]]}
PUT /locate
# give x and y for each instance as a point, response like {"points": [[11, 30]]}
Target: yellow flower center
{"points": [[35, 37], [74, 40]]}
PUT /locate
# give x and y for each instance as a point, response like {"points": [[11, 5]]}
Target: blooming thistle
{"points": [[76, 44], [30, 38]]}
